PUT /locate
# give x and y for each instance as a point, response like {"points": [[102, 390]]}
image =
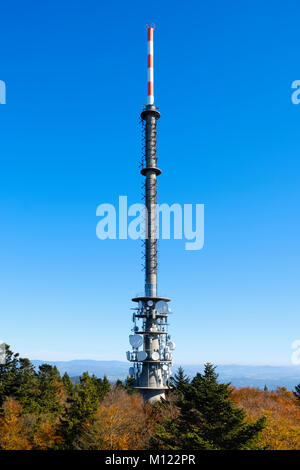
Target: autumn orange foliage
{"points": [[122, 422], [45, 437], [280, 407], [12, 427], [22, 432]]}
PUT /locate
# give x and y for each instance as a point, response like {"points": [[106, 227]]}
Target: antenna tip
{"points": [[150, 26]]}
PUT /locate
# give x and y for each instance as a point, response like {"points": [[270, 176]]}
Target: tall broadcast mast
{"points": [[152, 347]]}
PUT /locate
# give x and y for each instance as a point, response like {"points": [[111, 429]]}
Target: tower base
{"points": [[152, 395]]}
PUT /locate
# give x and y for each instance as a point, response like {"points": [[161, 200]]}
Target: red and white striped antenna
{"points": [[150, 71]]}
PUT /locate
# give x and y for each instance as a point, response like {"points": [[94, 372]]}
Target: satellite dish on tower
{"points": [[165, 367], [162, 307], [142, 355], [172, 345], [155, 356], [135, 340]]}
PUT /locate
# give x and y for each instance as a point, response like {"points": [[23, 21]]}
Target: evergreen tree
{"points": [[18, 379], [26, 387], [130, 382], [179, 381], [119, 384], [128, 385], [8, 374], [103, 386], [208, 419], [68, 384], [80, 408], [51, 390]]}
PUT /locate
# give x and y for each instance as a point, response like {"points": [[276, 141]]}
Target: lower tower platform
{"points": [[152, 347]]}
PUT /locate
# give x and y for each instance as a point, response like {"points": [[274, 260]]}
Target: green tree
{"points": [[79, 409], [119, 384], [68, 384], [103, 386], [51, 390], [8, 374], [180, 381], [26, 387], [128, 385], [18, 379], [130, 382], [208, 419]]}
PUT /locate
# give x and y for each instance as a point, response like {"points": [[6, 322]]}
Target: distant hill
{"points": [[238, 375], [255, 376], [112, 369]]}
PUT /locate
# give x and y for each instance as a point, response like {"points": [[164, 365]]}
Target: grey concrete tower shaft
{"points": [[150, 115]]}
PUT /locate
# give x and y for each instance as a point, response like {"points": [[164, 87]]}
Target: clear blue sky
{"points": [[228, 138]]}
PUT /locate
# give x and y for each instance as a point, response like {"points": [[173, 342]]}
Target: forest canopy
{"points": [[40, 409]]}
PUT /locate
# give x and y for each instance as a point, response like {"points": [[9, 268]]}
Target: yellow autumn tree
{"points": [[280, 407], [122, 422], [45, 436], [13, 434]]}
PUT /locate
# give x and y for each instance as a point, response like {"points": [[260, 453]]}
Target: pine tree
{"points": [[179, 381], [26, 387], [80, 408], [119, 384], [18, 379], [128, 385], [68, 384], [51, 390], [130, 382], [103, 386], [208, 419], [8, 374]]}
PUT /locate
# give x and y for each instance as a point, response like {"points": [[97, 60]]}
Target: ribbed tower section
{"points": [[151, 344]]}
